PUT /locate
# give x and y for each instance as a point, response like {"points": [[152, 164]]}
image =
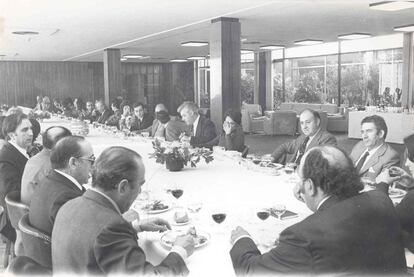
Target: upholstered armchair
{"points": [[252, 118], [280, 123]]}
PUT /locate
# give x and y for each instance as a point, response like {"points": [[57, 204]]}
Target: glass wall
{"points": [[368, 77]]}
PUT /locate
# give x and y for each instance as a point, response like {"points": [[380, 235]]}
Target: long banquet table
{"points": [[222, 185]]}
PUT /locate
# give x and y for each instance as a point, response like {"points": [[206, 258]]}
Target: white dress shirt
{"points": [[195, 124]]}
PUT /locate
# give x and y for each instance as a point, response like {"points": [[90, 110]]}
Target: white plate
{"points": [[396, 193], [168, 238], [169, 206]]}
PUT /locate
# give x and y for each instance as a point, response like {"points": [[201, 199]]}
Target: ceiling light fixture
{"points": [[354, 36], [308, 42], [195, 58], [243, 39], [123, 59], [132, 56], [391, 6], [25, 33], [245, 51], [194, 43], [405, 28], [271, 47], [178, 61]]}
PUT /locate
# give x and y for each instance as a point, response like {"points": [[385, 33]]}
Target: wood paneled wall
{"points": [[21, 82]]}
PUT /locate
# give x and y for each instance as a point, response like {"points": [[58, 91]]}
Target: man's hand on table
{"points": [[186, 242], [153, 225], [238, 233]]}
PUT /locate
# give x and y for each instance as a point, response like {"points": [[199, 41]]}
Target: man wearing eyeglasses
{"points": [[72, 159]]}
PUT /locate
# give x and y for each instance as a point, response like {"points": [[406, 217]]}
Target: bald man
{"points": [[312, 135], [348, 233], [38, 166]]}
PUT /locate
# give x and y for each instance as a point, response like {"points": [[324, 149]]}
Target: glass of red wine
{"points": [[263, 234], [176, 192], [219, 216]]}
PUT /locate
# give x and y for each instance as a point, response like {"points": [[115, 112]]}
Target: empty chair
{"points": [[37, 245]]}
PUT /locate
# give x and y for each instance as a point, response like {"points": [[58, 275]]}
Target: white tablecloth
{"points": [[221, 185]]}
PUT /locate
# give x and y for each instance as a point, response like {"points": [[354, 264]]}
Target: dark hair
{"points": [[138, 104], [378, 121], [79, 103], [409, 144], [2, 117], [113, 165], [65, 149], [50, 137], [332, 170], [67, 102], [35, 128], [11, 122], [116, 103], [163, 116], [235, 115]]}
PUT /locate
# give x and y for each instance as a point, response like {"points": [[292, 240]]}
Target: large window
{"points": [[365, 75]]}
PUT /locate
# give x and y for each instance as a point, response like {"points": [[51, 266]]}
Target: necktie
{"points": [[362, 161], [192, 130], [301, 151]]}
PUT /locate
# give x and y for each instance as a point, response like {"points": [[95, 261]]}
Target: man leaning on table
{"points": [[312, 136], [90, 235], [349, 232], [372, 155]]}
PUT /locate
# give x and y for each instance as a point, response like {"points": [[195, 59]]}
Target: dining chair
{"points": [[8, 244], [15, 209], [37, 245], [245, 151], [22, 265]]}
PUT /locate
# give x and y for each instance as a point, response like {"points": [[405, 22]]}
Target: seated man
{"points": [[349, 232], [140, 120], [104, 112], [156, 129], [107, 244], [372, 155], [312, 136], [38, 166], [71, 159], [201, 128], [175, 127]]}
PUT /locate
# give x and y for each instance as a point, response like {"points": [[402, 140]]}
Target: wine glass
{"points": [[176, 192], [279, 210], [218, 217], [195, 207], [263, 235]]}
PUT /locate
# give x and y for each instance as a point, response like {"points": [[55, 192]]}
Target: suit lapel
{"points": [[315, 141], [63, 180], [21, 159], [374, 158]]}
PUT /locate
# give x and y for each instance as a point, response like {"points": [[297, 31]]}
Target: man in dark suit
{"points": [[157, 128], [312, 136], [17, 130], [71, 160], [202, 129], [349, 232], [107, 243], [38, 166], [104, 112], [140, 120], [372, 155]]}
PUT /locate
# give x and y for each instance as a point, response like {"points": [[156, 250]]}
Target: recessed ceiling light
{"points": [[132, 56], [194, 43], [196, 58], [308, 42], [243, 39], [271, 47], [354, 36], [178, 61], [252, 42], [405, 28], [25, 33], [392, 5], [244, 51], [123, 59]]}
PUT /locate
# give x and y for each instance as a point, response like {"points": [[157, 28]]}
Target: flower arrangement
{"points": [[176, 155], [39, 115]]}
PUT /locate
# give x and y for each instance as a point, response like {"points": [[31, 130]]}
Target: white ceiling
{"points": [[79, 30]]}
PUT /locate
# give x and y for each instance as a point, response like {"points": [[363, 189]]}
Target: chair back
{"points": [[37, 245], [245, 151], [22, 265], [15, 209]]}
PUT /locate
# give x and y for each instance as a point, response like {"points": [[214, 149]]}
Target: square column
{"points": [[112, 74], [225, 72], [263, 80], [407, 97]]}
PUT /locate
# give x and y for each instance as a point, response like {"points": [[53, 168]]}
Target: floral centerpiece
{"points": [[176, 155]]}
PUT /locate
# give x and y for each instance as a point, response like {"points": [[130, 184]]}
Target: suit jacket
{"points": [[12, 164], [137, 125], [206, 131], [37, 167], [54, 191], [108, 243], [153, 128], [104, 116], [174, 129], [405, 212], [322, 137], [384, 157], [233, 141], [359, 235]]}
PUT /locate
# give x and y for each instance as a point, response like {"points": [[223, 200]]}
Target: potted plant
{"points": [[176, 156]]}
